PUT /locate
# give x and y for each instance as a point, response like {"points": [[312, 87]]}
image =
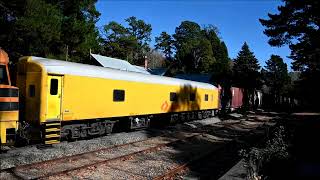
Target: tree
{"points": [[193, 50], [165, 43], [118, 42], [276, 77], [142, 32], [155, 59], [32, 28], [221, 68], [246, 73], [129, 43], [79, 33], [139, 29], [49, 28], [203, 56], [297, 24]]}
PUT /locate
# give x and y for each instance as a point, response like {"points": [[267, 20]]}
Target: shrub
{"points": [[259, 162]]}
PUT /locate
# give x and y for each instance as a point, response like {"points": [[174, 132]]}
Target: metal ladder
{"points": [[52, 131]]}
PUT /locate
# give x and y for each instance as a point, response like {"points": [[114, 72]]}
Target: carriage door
{"points": [[54, 97]]}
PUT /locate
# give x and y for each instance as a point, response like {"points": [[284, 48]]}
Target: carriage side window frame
{"points": [[32, 90], [192, 97], [119, 95], [54, 86], [4, 75], [206, 97], [173, 97]]}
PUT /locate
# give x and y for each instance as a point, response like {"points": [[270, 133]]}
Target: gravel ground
{"points": [[31, 154], [148, 165], [225, 138], [34, 171]]}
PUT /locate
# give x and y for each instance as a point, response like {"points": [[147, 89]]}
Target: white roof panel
{"points": [[65, 67], [118, 64]]}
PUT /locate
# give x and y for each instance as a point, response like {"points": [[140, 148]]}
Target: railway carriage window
{"points": [[206, 97], [118, 95], [192, 97], [54, 87], [32, 90], [173, 96], [3, 75]]}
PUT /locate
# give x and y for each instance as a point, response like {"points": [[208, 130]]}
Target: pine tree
{"points": [[129, 43], [118, 42], [276, 77], [49, 28], [165, 43], [297, 25], [246, 73], [31, 28]]}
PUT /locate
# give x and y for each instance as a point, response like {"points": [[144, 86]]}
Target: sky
{"points": [[237, 20]]}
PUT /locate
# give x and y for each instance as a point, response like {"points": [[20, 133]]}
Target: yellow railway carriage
{"points": [[71, 100]]}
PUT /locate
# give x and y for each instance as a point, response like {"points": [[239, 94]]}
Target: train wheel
{"points": [[83, 132], [69, 135]]}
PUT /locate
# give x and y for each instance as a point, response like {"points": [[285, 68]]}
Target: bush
{"points": [[261, 163]]}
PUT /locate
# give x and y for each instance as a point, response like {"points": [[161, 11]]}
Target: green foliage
{"points": [[221, 68], [78, 30], [297, 25], [129, 43], [186, 33], [187, 40], [139, 29], [200, 50], [203, 56], [246, 73], [276, 77], [118, 42], [47, 28], [258, 160], [165, 43], [246, 68], [142, 32], [34, 28]]}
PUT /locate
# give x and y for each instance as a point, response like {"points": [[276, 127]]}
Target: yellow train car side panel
{"points": [[87, 98]]}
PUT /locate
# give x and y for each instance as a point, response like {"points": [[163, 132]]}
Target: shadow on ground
{"points": [[304, 149], [219, 146]]}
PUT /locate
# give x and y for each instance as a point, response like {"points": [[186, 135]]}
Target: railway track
{"points": [[161, 157], [158, 162], [56, 167]]}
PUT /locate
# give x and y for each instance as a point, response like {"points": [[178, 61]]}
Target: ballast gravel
{"points": [[32, 154]]}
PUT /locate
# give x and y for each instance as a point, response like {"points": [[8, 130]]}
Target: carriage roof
{"points": [[64, 67]]}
